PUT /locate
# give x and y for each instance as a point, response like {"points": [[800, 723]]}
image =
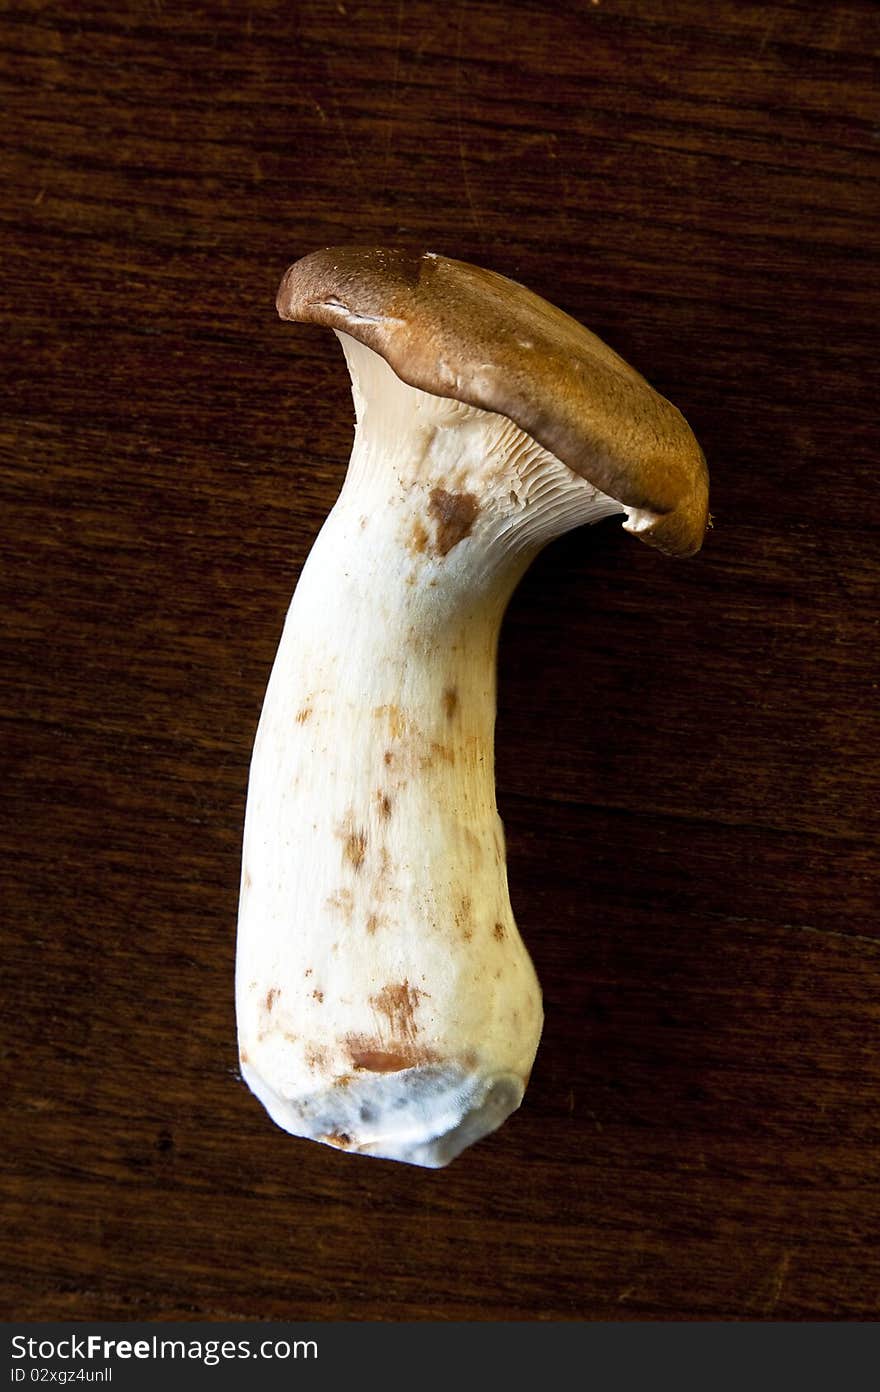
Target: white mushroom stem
{"points": [[386, 1003]]}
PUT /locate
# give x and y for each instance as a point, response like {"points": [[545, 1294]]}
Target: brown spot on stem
{"points": [[389, 757], [243, 1056], [343, 902], [356, 848], [398, 1003], [399, 724], [354, 841], [303, 715], [418, 539], [318, 996], [378, 1060], [498, 932], [316, 1057], [373, 1056], [372, 923], [384, 805], [437, 753], [450, 701], [464, 917], [271, 997], [308, 971], [454, 515], [338, 1139]]}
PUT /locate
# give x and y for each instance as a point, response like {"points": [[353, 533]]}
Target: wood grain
{"points": [[687, 752]]}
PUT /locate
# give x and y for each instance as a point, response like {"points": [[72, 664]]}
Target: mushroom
{"points": [[386, 1003]]}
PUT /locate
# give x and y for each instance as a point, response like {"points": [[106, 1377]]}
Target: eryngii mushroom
{"points": [[386, 1003]]}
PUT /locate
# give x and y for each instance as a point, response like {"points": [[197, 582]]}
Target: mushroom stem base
{"points": [[423, 1116]]}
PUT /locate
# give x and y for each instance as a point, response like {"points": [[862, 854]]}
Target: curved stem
{"points": [[386, 1002]]}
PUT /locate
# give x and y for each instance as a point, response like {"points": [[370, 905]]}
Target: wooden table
{"points": [[687, 751]]}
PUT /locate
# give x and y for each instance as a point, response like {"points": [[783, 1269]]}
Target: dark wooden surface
{"points": [[687, 751]]}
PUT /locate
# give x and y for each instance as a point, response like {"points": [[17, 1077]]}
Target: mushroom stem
{"points": [[386, 1002]]}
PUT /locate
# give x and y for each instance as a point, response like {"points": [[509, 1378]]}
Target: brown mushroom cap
{"points": [[459, 331]]}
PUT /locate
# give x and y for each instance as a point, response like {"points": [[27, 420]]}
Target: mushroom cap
{"points": [[459, 331]]}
